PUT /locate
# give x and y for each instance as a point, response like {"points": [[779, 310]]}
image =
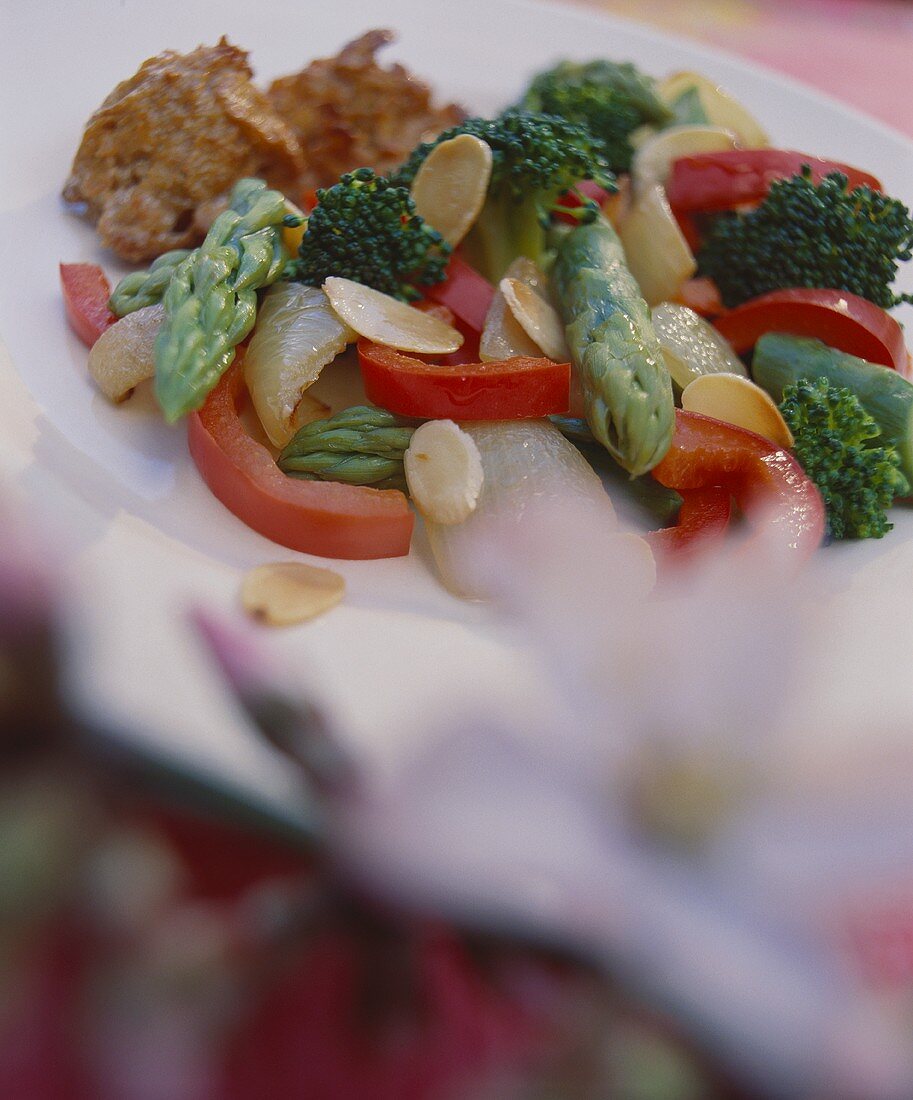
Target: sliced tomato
{"points": [[702, 520], [315, 517], [709, 182], [506, 389], [837, 318], [766, 482], [86, 291], [466, 293]]}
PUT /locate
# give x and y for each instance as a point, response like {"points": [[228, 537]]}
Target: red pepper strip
{"points": [[86, 291], [507, 389], [702, 295], [315, 517], [589, 189], [839, 319], [721, 181], [702, 520], [466, 293], [768, 484]]}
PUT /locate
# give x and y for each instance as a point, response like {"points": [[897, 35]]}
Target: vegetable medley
{"points": [[699, 312]]}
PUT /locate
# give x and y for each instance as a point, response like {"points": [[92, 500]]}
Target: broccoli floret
{"points": [[609, 99], [365, 228], [535, 159], [835, 443], [811, 236]]}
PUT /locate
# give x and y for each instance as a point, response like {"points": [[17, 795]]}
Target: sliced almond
{"points": [[124, 354], [653, 160], [443, 471], [450, 187], [503, 337], [738, 401], [289, 592], [537, 317], [718, 106], [386, 320]]}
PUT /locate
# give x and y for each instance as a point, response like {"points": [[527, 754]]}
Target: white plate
{"points": [[114, 488]]}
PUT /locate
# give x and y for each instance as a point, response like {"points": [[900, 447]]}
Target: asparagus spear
{"points": [[211, 300], [615, 351], [360, 446]]}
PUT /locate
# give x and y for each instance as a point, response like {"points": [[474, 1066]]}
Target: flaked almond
{"points": [[449, 188], [386, 320], [443, 471], [738, 401], [502, 336], [124, 354], [289, 592], [653, 160], [537, 317]]}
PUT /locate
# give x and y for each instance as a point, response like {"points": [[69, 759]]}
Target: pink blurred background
{"points": [[860, 51]]}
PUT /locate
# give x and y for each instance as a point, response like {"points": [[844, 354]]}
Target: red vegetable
{"points": [[86, 291], [466, 293], [589, 189], [839, 319], [720, 181], [767, 483], [315, 517], [702, 295], [702, 520], [508, 389]]}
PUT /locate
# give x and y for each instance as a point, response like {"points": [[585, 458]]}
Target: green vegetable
{"points": [[688, 110], [615, 351], [835, 441], [211, 299], [637, 499], [609, 99], [146, 288], [814, 236], [535, 159], [780, 361], [365, 228], [360, 446]]}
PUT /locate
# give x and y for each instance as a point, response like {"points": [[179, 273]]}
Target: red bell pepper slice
{"points": [[315, 517], [710, 182], [466, 293], [702, 521], [86, 291], [589, 189], [837, 318], [703, 296], [507, 389], [767, 483]]}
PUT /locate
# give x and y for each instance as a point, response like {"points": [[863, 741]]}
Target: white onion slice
{"points": [[529, 470], [657, 254], [124, 354], [297, 334], [386, 320], [692, 346]]}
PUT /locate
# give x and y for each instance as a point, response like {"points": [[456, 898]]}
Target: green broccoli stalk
{"points": [[811, 236], [611, 100], [834, 442], [535, 159], [365, 228]]}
